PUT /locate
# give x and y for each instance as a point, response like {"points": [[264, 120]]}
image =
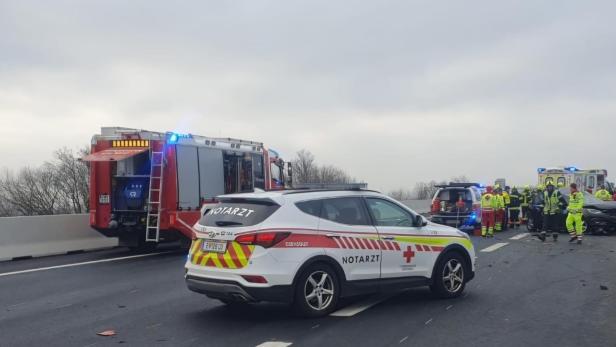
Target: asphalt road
{"points": [[526, 294]]}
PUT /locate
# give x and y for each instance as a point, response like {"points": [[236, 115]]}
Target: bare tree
{"points": [[332, 174], [58, 186], [74, 182], [304, 168], [32, 191], [401, 194]]}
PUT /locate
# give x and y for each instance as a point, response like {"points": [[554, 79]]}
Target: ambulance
{"points": [[148, 187], [586, 179]]}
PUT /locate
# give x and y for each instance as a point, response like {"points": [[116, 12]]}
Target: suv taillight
{"points": [[265, 240]]}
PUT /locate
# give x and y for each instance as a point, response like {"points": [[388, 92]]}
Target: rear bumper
{"points": [[234, 291]]}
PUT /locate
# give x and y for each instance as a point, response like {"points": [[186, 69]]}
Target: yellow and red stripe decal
{"points": [[237, 255]]}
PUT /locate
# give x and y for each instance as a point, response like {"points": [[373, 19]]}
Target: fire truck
{"points": [[148, 187], [588, 180]]}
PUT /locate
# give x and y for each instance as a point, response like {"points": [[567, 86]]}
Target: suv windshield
{"points": [[238, 213]]}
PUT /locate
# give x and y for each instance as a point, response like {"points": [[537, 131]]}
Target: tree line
{"points": [[59, 186], [423, 190]]}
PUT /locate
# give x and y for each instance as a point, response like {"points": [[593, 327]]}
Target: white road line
{"points": [[361, 306], [80, 264], [429, 321], [519, 236], [275, 344], [404, 339], [495, 247]]}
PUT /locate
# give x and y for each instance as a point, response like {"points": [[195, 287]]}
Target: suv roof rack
{"points": [[458, 185], [331, 186], [322, 187]]}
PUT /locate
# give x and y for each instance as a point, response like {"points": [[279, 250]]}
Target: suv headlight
{"points": [[594, 211]]}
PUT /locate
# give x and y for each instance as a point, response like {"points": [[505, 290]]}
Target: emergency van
{"points": [[312, 247], [147, 187], [586, 179]]}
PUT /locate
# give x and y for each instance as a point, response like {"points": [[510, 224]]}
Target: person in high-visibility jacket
{"points": [[507, 201], [574, 218], [499, 213], [488, 206], [603, 195], [525, 200], [514, 208], [552, 211]]}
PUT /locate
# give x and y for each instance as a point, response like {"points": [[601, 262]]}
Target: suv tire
{"points": [[449, 277], [317, 291]]}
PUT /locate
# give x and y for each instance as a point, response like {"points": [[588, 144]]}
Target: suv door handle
{"points": [[388, 238]]}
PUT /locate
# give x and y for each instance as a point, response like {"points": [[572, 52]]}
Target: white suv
{"points": [[311, 247]]}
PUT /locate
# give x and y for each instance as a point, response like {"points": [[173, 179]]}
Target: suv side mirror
{"points": [[420, 221]]}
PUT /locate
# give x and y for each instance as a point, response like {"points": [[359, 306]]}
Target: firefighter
{"points": [[525, 199], [499, 213], [507, 201], [602, 194], [488, 206], [574, 217], [514, 208], [553, 205], [536, 210]]}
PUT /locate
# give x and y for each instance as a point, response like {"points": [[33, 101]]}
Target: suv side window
{"points": [[349, 211], [388, 214], [312, 207]]}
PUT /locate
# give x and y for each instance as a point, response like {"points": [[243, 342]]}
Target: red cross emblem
{"points": [[408, 254]]}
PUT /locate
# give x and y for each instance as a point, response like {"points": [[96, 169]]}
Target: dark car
{"points": [[599, 216]]}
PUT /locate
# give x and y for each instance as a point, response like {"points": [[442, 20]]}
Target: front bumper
{"points": [[234, 291]]}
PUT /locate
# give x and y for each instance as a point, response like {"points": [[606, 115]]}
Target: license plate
{"points": [[214, 246], [103, 199]]}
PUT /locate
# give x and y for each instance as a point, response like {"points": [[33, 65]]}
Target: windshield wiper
{"points": [[227, 223]]}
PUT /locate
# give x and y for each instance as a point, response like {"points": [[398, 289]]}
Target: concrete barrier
{"points": [[48, 235], [419, 206]]}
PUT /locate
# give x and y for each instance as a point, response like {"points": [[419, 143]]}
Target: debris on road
{"points": [[603, 287], [107, 333]]}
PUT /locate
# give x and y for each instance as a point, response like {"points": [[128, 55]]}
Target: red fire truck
{"points": [[147, 187]]}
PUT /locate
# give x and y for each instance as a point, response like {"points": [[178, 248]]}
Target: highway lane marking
{"points": [[448, 308], [429, 321], [81, 264], [519, 236], [361, 306], [495, 247], [275, 344], [404, 339]]}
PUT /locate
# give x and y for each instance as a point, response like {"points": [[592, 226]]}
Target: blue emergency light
{"points": [[175, 137], [571, 169], [541, 170]]}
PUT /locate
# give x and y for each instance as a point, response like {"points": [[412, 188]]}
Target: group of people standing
{"points": [[509, 208]]}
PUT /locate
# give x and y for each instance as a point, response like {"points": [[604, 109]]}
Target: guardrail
{"points": [[37, 236]]}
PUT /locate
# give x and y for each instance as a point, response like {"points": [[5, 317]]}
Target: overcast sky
{"points": [[394, 92]]}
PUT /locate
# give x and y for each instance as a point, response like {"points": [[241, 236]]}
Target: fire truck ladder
{"points": [[152, 230]]}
